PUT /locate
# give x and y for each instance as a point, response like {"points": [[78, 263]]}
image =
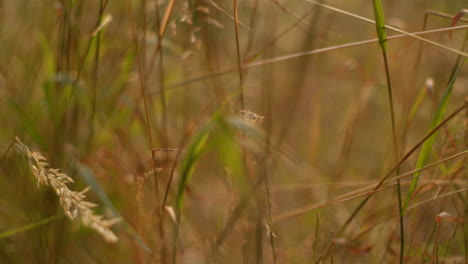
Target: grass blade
{"points": [[382, 35], [28, 227], [392, 28], [438, 117], [380, 24], [194, 152], [288, 57], [188, 166]]}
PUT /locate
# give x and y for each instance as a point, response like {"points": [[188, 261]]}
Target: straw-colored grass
{"points": [[74, 204], [241, 131]]}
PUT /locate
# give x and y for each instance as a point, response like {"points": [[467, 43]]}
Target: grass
{"points": [[233, 132], [73, 203]]}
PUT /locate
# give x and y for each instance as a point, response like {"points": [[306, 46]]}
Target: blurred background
{"points": [[142, 100]]}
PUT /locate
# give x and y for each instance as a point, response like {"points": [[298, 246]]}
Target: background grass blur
{"points": [[142, 101]]}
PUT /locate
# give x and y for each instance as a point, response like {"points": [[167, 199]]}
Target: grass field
{"points": [[204, 131]]}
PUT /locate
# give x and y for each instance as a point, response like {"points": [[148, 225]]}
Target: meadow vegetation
{"points": [[243, 131]]}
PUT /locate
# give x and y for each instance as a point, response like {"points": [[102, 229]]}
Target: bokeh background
{"points": [[81, 82]]}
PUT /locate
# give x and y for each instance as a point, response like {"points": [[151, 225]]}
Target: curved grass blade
{"points": [[28, 227], [438, 117], [230, 154], [188, 166], [231, 147], [194, 152]]}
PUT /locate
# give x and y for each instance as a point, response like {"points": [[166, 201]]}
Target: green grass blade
{"points": [[382, 35], [438, 117], [456, 51], [230, 154], [231, 148], [228, 148], [380, 24], [188, 166], [28, 227]]}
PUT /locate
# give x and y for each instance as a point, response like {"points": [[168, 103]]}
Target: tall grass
{"points": [[233, 131]]}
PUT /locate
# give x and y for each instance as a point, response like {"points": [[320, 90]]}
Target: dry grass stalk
{"points": [[73, 203]]}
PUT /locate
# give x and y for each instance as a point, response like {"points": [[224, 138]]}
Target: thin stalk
{"points": [[162, 85], [437, 117], [143, 7], [403, 159], [245, 200], [142, 80], [351, 184], [362, 192], [465, 233], [278, 37], [435, 250], [242, 107], [268, 88], [234, 217], [305, 53], [239, 60], [95, 73], [165, 143], [465, 227], [28, 227], [162, 26], [143, 94], [382, 34], [392, 28], [251, 37], [171, 175], [270, 234], [215, 6], [396, 153], [412, 86], [300, 83], [83, 58]]}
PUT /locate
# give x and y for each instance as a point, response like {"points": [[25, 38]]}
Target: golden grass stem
{"points": [[405, 157], [392, 28], [306, 53], [239, 61], [362, 192]]}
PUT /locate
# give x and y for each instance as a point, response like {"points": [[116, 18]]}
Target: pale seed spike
{"points": [[73, 203]]}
